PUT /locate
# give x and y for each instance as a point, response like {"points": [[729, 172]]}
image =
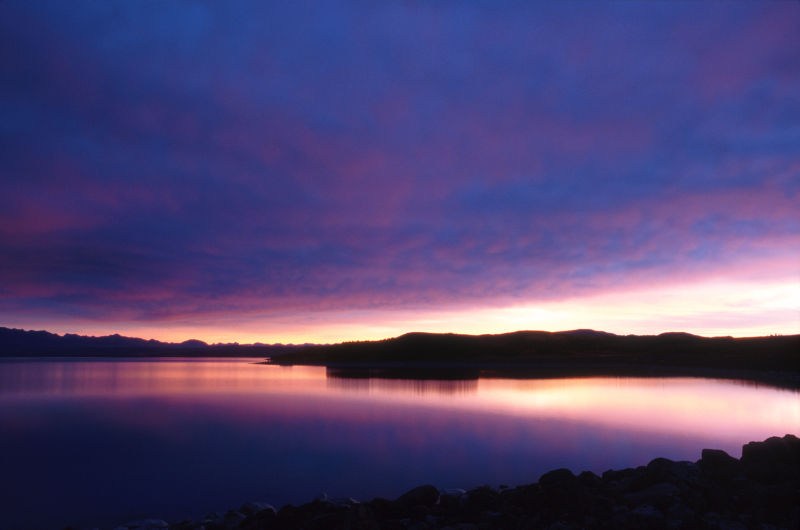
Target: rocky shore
{"points": [[759, 491]]}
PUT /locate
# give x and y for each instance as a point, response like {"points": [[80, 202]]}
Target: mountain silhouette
{"points": [[22, 343], [588, 350]]}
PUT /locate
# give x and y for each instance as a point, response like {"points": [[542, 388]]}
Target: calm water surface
{"points": [[100, 442]]}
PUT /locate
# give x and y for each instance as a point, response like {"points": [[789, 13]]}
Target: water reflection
{"points": [[688, 405], [371, 385], [79, 377], [97, 442]]}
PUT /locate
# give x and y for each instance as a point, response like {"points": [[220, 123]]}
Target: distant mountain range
{"points": [[22, 343], [583, 346]]}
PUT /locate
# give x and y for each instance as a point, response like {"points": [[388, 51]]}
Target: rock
{"points": [[382, 508], [772, 460], [262, 519], [252, 508], [450, 499], [732, 525], [560, 496], [213, 517], [560, 525], [233, 519], [664, 470], [589, 479], [684, 471], [559, 477], [325, 521], [418, 512], [453, 492], [660, 495], [145, 524], [619, 480], [646, 513], [186, 524], [681, 514], [287, 512], [719, 464], [481, 499], [658, 470], [425, 495], [715, 520], [344, 502]]}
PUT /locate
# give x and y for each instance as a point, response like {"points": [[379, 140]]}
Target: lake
{"points": [[98, 442]]}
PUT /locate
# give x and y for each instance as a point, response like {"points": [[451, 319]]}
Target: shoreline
{"points": [[784, 379], [759, 490]]}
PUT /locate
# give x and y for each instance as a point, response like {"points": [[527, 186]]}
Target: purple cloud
{"points": [[164, 161]]}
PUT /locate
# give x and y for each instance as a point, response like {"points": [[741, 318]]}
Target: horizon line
{"points": [[258, 343]]}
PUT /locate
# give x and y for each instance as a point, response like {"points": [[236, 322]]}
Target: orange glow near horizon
{"points": [[708, 308]]}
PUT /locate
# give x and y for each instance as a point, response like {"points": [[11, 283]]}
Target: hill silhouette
{"points": [[22, 343], [541, 353]]}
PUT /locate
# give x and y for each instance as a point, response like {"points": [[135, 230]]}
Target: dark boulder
{"points": [[614, 475], [662, 470], [382, 509], [145, 524], [450, 500], [619, 479], [252, 508], [259, 516], [589, 480], [326, 521], [660, 495], [562, 498], [647, 516], [563, 478], [425, 495], [233, 519], [482, 499], [773, 460], [656, 471], [719, 464]]}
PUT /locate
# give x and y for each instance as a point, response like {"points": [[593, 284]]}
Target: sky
{"points": [[327, 171]]}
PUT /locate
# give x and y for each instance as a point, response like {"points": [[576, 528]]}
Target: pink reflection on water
{"points": [[730, 409], [152, 377], [733, 411]]}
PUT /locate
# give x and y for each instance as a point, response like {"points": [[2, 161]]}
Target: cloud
{"points": [[177, 161]]}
